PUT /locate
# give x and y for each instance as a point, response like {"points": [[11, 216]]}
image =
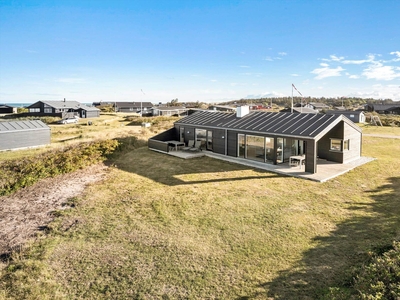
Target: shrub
{"points": [[380, 279], [16, 174]]}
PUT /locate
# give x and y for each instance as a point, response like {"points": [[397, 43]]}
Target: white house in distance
{"points": [[357, 116]]}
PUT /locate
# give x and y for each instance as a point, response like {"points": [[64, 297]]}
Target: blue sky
{"points": [[194, 50]]}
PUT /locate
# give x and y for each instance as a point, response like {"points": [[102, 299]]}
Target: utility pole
{"points": [[141, 104]]}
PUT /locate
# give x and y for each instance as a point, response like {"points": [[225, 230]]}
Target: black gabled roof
{"points": [[283, 124], [133, 104], [386, 106]]}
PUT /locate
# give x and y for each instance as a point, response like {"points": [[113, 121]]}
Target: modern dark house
{"points": [[300, 110], [6, 109], [357, 116], [317, 106], [134, 107], [63, 109], [170, 111], [23, 134], [386, 109], [222, 108], [268, 137]]}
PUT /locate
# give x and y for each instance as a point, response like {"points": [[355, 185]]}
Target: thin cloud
{"points": [[294, 75], [282, 53], [325, 71], [244, 66], [370, 58], [354, 76], [333, 58], [268, 58], [397, 53], [380, 72]]}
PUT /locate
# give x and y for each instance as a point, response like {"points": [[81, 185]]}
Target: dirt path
{"points": [[29, 210]]}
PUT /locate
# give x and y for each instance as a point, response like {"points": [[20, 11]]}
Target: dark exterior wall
{"points": [[354, 136], [24, 139], [219, 139], [158, 145], [92, 114], [189, 133], [171, 134], [232, 143], [324, 143], [345, 132], [311, 159], [353, 117], [6, 110]]}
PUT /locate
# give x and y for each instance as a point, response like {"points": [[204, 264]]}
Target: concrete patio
{"points": [[326, 170]]}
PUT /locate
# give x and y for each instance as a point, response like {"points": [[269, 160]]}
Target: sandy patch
{"points": [[31, 209]]}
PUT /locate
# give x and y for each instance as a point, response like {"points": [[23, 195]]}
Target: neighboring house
{"points": [[317, 106], [63, 109], [6, 109], [170, 111], [222, 108], [268, 137], [23, 134], [355, 116], [134, 107], [386, 109], [300, 110], [256, 106]]}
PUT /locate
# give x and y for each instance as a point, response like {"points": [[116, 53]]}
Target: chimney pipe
{"points": [[241, 111]]}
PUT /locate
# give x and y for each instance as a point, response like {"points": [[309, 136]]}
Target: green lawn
{"points": [[164, 228]]}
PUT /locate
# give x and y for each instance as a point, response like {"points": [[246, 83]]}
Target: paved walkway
{"points": [[326, 170]]}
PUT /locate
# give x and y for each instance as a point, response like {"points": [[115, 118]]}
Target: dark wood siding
{"points": [[6, 110], [171, 134], [92, 114], [219, 141], [232, 143], [158, 145], [189, 133], [311, 159], [324, 144]]}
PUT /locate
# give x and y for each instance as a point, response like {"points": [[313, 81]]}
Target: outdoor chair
{"points": [[189, 146], [196, 147]]}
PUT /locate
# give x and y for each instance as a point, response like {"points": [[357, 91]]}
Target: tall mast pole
{"points": [[291, 110]]}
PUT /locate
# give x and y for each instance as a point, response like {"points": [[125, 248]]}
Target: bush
{"points": [[380, 279], [16, 174]]}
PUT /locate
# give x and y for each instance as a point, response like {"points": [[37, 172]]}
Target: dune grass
{"points": [[159, 227]]}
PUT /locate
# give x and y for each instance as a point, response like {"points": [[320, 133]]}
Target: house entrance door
{"points": [[182, 134]]}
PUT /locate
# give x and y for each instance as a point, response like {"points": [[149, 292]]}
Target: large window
{"points": [[34, 109], [269, 150], [241, 145], [339, 145], [201, 135], [255, 147]]}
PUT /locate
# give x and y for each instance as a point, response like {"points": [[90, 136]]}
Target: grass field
{"points": [[164, 228]]}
